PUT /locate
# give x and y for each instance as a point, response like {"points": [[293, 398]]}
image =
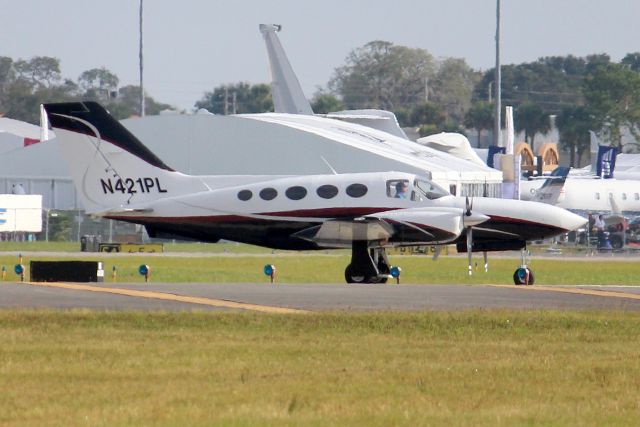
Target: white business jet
{"points": [[118, 177]]}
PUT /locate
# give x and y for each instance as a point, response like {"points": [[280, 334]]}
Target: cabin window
{"points": [[400, 189], [624, 196], [597, 196], [245, 195], [268, 193], [327, 191], [296, 193], [357, 190]]}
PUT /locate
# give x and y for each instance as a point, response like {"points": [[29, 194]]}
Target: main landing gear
{"points": [[367, 265]]}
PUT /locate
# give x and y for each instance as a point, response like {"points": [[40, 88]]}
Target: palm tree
{"points": [[531, 119], [574, 124], [479, 117]]}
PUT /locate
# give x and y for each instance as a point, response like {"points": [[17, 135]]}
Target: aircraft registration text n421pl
{"points": [[132, 185]]}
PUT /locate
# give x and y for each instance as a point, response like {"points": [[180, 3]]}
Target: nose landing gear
{"points": [[523, 275]]}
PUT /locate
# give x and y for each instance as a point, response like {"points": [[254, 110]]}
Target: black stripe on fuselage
{"points": [[61, 116], [277, 233]]}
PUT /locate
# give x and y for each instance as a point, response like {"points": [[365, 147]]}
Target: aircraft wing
{"points": [[400, 226]]}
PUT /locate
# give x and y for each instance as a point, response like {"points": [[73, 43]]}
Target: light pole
{"points": [[498, 107], [142, 112]]}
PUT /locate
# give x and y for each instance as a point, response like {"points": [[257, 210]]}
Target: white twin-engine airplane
{"points": [[119, 178]]}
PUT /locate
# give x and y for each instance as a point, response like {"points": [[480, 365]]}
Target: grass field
{"points": [[492, 368], [320, 268], [381, 369]]}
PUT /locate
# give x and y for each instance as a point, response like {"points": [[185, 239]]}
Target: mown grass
{"points": [[370, 369], [320, 268]]}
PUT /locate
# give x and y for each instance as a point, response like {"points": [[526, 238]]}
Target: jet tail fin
{"points": [[285, 87], [111, 168], [552, 189]]}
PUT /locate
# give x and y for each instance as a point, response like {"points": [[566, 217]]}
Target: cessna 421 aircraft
{"points": [[119, 178]]}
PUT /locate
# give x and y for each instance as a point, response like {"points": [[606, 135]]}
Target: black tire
{"points": [[519, 276], [350, 277]]}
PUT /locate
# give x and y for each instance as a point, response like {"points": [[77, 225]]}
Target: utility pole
{"points": [[498, 107], [142, 112], [226, 101], [235, 102], [426, 89]]}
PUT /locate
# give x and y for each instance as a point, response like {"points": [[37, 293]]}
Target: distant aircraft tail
{"points": [[552, 191], [111, 168]]}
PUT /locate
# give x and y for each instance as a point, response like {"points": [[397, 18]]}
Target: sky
{"points": [[193, 46]]}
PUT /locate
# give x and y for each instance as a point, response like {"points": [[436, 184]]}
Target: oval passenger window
{"points": [[327, 191], [357, 190], [268, 193], [296, 193], [245, 195]]}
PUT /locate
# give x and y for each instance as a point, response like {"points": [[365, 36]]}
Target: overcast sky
{"points": [[192, 46]]}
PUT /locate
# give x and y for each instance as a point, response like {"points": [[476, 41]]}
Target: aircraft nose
{"points": [[568, 220]]}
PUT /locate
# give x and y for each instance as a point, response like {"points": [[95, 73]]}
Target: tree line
{"points": [[436, 95], [433, 95], [25, 84]]}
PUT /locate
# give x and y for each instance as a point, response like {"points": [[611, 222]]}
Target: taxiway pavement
{"points": [[284, 298]]}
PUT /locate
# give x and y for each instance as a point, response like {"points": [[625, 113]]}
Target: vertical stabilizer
{"points": [[552, 191], [285, 87], [606, 161], [111, 168]]}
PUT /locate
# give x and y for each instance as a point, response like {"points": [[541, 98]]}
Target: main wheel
{"points": [[520, 276], [350, 277]]}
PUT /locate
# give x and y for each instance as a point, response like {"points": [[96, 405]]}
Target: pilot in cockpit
{"points": [[402, 190]]}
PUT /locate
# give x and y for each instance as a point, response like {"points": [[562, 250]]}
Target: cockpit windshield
{"points": [[429, 189], [420, 190]]}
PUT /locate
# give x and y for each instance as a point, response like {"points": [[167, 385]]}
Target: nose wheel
{"points": [[523, 274]]}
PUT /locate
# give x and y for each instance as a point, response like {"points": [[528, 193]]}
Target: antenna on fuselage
{"points": [[333, 171]]}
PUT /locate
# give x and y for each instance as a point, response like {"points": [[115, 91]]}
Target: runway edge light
{"points": [[19, 269], [395, 273], [270, 270], [145, 271]]}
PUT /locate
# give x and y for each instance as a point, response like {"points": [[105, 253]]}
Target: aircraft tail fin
{"points": [[288, 96], [111, 168], [552, 191]]}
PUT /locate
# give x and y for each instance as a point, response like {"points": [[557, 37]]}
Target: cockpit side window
{"points": [[429, 189], [400, 189]]}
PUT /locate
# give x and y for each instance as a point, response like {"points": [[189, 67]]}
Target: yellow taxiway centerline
{"points": [[173, 297], [578, 291]]}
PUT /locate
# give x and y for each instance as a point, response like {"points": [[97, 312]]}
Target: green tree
{"points": [[573, 125], [384, 76], [39, 71], [632, 60], [323, 103], [127, 103], [452, 88], [248, 99], [531, 119], [98, 83], [479, 117], [612, 94], [427, 113], [551, 82]]}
